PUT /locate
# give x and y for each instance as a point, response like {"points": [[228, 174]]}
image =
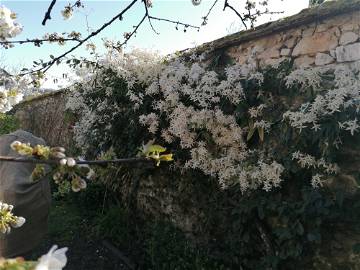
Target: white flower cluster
{"points": [[8, 27], [188, 96], [310, 162], [350, 125], [150, 120], [343, 95], [256, 112], [306, 77], [317, 180], [55, 259], [8, 220], [9, 98]]}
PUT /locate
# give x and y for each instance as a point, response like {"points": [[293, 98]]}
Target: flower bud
{"points": [[71, 162], [19, 222], [58, 149], [57, 155], [3, 229], [82, 184], [14, 145], [56, 176], [63, 162]]}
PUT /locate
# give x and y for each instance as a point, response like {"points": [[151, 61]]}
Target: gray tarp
{"points": [[31, 200]]}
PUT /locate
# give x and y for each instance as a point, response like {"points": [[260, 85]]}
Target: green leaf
{"points": [[251, 131], [300, 229], [356, 248], [312, 237], [261, 133], [261, 212]]}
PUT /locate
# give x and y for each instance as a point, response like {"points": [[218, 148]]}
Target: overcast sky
{"points": [[30, 14]]}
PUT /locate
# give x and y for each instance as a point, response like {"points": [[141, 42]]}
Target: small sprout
{"points": [[153, 151]]}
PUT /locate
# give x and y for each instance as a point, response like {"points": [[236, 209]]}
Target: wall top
{"points": [[306, 16]]}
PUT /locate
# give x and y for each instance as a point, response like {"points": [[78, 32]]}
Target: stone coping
{"points": [[37, 98]]}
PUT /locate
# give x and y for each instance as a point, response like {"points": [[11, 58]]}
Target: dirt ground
{"points": [[67, 228]]}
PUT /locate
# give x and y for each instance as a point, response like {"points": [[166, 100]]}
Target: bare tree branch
{"points": [[147, 15], [47, 65], [58, 58], [48, 12], [205, 18], [89, 162], [129, 35], [175, 22], [226, 4], [39, 41]]}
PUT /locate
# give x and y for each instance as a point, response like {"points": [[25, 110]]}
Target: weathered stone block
{"points": [[307, 32], [348, 27], [348, 37], [348, 53], [285, 52], [270, 53], [274, 62], [319, 42], [333, 53], [322, 59], [322, 27], [304, 61], [290, 43]]}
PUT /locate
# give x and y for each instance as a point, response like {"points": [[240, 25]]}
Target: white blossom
{"points": [[55, 259], [8, 27]]}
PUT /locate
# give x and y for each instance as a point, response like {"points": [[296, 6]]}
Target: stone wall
{"points": [[320, 36], [44, 116]]}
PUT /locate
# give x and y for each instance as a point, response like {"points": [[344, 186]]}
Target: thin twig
{"points": [[48, 12], [226, 4], [55, 60], [57, 162], [127, 38], [205, 18], [58, 58], [149, 19], [37, 41], [174, 22]]}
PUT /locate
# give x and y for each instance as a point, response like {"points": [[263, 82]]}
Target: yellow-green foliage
{"points": [[8, 123]]}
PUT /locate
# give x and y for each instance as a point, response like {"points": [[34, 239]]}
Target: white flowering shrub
{"points": [[180, 103], [221, 123], [276, 140]]}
